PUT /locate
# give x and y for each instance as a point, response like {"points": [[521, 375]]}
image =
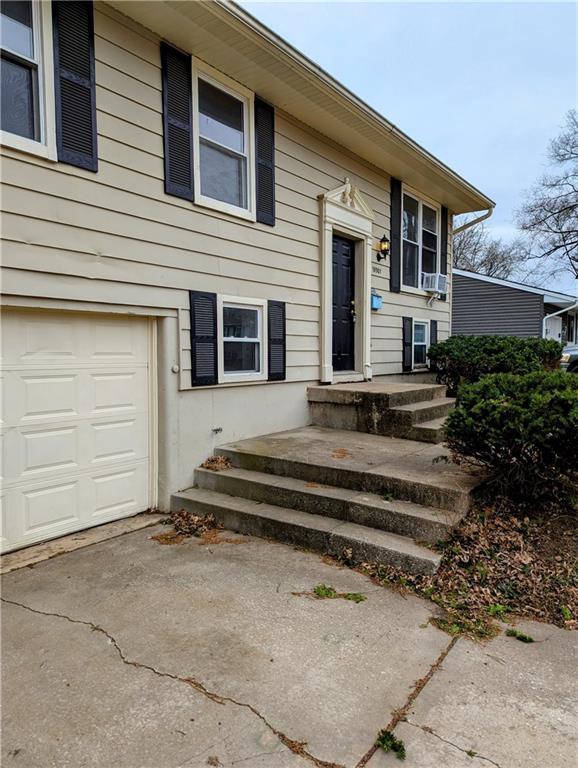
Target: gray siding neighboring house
{"points": [[488, 305]]}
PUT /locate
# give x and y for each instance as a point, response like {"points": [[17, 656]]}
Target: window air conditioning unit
{"points": [[434, 282]]}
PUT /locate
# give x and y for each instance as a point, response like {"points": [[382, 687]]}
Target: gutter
{"points": [[473, 222], [555, 314]]}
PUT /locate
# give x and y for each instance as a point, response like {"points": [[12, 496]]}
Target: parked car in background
{"points": [[570, 358]]}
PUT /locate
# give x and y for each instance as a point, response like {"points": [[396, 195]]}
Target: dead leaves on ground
{"points": [[217, 463], [500, 565]]}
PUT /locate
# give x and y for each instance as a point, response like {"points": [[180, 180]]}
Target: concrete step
{"points": [[428, 431], [384, 395], [389, 410], [323, 534], [408, 470], [416, 413], [396, 516]]}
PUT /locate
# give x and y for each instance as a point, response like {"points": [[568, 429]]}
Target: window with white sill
{"points": [[21, 82], [420, 231], [420, 343], [223, 144], [243, 341]]}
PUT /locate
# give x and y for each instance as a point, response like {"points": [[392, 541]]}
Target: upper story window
{"points": [[224, 146], [27, 100], [20, 65], [420, 227]]}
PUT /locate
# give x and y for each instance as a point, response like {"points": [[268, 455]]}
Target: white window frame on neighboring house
{"points": [[421, 200], [426, 344], [45, 145], [202, 71], [260, 305]]}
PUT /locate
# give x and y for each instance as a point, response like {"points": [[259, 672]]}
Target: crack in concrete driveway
{"points": [[295, 746]]}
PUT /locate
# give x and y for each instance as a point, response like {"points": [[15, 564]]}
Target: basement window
{"points": [[420, 343], [243, 340]]}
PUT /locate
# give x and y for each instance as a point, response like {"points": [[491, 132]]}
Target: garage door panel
{"points": [[75, 441], [120, 440], [49, 450], [117, 493], [114, 392], [118, 341], [71, 447]]}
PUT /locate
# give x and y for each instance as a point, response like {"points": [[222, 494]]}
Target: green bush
{"points": [[523, 430], [465, 359]]}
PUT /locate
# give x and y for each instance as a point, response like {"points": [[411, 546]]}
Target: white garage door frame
{"points": [[152, 384]]}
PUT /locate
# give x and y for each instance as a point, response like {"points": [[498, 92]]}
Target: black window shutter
{"points": [[276, 340], [265, 161], [395, 249], [74, 83], [204, 340], [177, 122], [433, 333], [407, 344], [444, 246]]}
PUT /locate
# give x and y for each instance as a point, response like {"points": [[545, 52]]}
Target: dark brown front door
{"points": [[343, 304]]}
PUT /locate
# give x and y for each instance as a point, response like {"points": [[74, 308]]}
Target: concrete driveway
{"points": [[130, 653]]}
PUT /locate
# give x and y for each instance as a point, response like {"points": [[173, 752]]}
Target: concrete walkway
{"points": [[130, 653]]}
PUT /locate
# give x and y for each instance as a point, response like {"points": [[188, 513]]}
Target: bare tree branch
{"points": [[549, 213]]}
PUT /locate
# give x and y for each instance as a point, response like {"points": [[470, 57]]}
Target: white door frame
{"points": [[343, 211]]}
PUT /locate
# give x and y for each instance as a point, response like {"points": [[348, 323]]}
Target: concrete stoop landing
{"points": [[383, 499], [414, 411]]}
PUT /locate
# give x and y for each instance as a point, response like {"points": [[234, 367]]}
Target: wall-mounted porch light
{"points": [[383, 248]]}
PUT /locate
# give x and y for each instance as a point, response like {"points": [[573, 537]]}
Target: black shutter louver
{"points": [[74, 83], [395, 249], [204, 338], [444, 246], [177, 122], [433, 334], [265, 161], [407, 343], [276, 340]]}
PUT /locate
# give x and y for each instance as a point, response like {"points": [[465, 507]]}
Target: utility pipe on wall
{"points": [[555, 314]]}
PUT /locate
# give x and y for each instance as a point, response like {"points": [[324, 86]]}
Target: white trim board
{"points": [[344, 211]]}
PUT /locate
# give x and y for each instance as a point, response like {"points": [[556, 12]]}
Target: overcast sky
{"points": [[481, 85]]}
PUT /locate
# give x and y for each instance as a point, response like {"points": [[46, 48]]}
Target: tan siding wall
{"points": [[115, 236]]}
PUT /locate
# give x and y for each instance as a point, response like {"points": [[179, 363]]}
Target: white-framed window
{"points": [[421, 242], [224, 143], [243, 339], [27, 100], [420, 343]]}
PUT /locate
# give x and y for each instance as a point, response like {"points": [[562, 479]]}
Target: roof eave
{"points": [[247, 50]]}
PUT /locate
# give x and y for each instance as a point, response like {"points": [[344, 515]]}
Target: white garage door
{"points": [[75, 429]]}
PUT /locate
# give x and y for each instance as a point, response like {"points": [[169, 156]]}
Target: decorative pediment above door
{"points": [[350, 198]]}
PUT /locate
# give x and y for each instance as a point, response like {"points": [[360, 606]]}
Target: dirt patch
{"points": [[171, 537], [341, 453], [217, 463], [498, 566], [214, 536]]}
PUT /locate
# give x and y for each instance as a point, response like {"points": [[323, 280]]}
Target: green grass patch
{"points": [[523, 638], [388, 742], [325, 592]]}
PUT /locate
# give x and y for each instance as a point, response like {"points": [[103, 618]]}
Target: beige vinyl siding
{"points": [[115, 237]]}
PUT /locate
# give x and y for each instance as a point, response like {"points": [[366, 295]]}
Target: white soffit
{"points": [[231, 40]]}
